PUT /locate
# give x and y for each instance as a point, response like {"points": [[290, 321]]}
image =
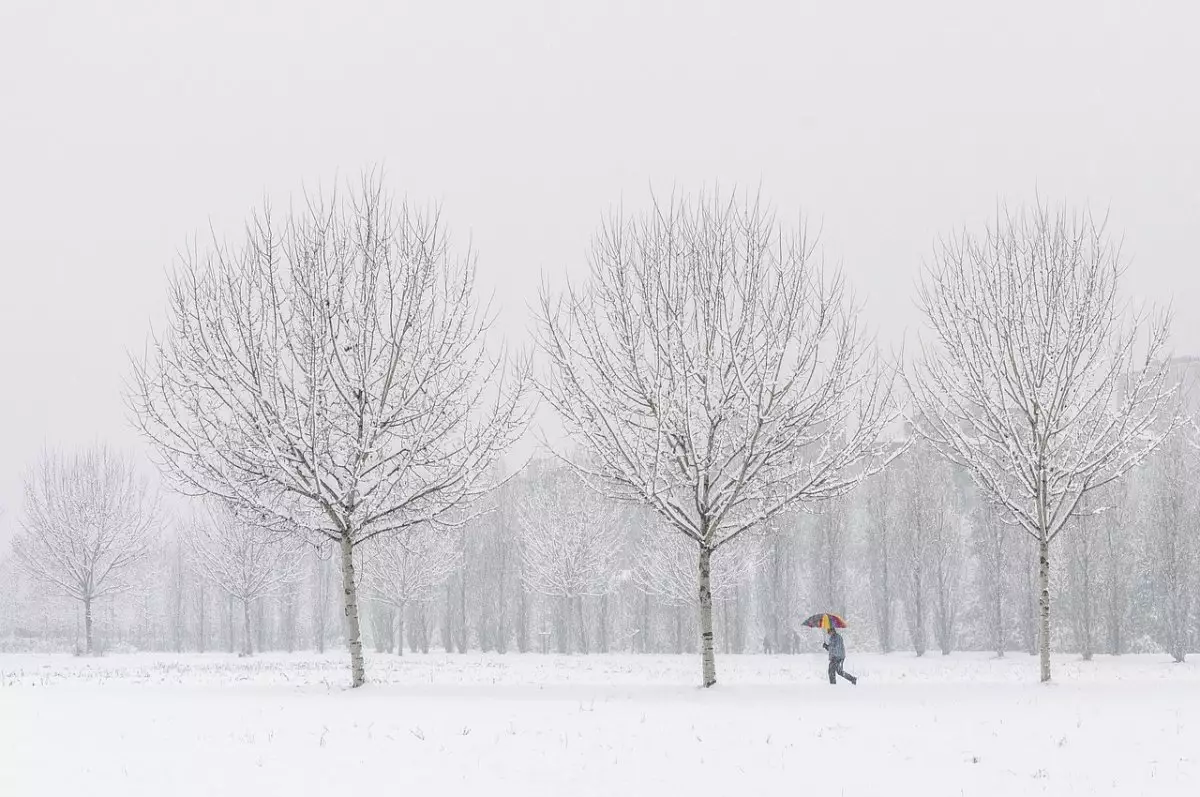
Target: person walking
{"points": [[837, 655]]}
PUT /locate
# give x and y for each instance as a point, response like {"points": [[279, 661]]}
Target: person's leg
{"points": [[833, 667], [844, 674]]}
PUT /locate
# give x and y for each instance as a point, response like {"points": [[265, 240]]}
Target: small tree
{"points": [[332, 377], [922, 510], [1171, 523], [1083, 566], [947, 548], [570, 542], [246, 562], [89, 523], [712, 373], [992, 548], [408, 568], [881, 521], [826, 557], [1118, 550], [664, 569], [1032, 384]]}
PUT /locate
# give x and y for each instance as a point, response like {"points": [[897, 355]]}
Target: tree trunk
{"points": [[230, 614], [350, 603], [247, 649], [945, 625], [1115, 611], [707, 657], [400, 630], [1087, 613], [448, 625], [87, 626], [647, 619], [522, 618], [998, 611], [776, 590], [583, 640], [739, 636], [200, 630], [726, 637], [425, 631], [1044, 607], [262, 624], [502, 605], [1031, 603], [463, 631], [602, 642]]}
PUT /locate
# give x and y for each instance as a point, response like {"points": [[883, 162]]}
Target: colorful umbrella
{"points": [[823, 621]]}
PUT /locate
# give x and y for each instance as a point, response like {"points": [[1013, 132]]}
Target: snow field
{"points": [[600, 725]]}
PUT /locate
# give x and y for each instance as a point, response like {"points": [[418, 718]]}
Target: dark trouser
{"points": [[835, 669]]}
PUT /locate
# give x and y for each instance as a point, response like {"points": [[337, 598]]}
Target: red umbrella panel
{"points": [[824, 621]]}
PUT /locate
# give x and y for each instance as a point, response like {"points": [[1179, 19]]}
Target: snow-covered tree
{"points": [[407, 568], [1170, 519], [665, 570], [246, 562], [881, 519], [571, 540], [923, 509], [8, 595], [947, 546], [331, 377], [826, 554], [89, 522], [709, 370], [1117, 546], [1084, 550], [1034, 382], [784, 552], [321, 594]]}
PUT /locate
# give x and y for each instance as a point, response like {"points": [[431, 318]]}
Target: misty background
{"points": [[127, 131]]}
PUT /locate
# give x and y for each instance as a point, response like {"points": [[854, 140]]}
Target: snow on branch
{"points": [[1037, 380], [408, 567], [331, 373], [89, 520], [712, 370], [570, 538], [244, 561]]}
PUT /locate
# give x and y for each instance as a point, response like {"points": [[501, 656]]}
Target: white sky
{"points": [[125, 132]]}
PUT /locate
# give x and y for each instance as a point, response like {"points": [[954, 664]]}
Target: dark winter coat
{"points": [[837, 648]]}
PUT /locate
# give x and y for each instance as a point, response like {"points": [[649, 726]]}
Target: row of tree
{"points": [[916, 559], [330, 382]]}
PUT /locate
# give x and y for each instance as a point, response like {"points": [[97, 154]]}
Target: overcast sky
{"points": [[127, 128]]}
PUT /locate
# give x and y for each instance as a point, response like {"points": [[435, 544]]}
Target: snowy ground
{"points": [[616, 726]]}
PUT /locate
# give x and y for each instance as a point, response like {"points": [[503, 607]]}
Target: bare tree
{"points": [[332, 377], [1171, 529], [571, 541], [991, 546], [881, 522], [1034, 384], [89, 522], [665, 568], [780, 574], [409, 568], [711, 372], [826, 556], [246, 562], [947, 555], [922, 510], [1083, 576], [321, 596], [1117, 547]]}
